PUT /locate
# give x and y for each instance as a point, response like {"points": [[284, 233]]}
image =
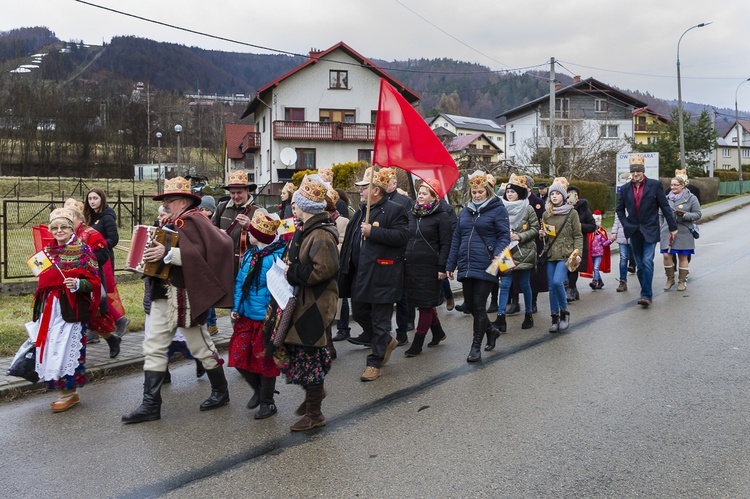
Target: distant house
{"points": [[726, 147], [320, 113], [466, 125], [473, 149], [647, 125], [239, 145], [586, 111]]}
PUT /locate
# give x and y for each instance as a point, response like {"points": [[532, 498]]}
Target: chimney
{"points": [[314, 53], [576, 78]]}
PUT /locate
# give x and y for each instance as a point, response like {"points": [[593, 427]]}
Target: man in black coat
{"points": [[372, 268], [588, 226], [404, 312], [638, 208]]}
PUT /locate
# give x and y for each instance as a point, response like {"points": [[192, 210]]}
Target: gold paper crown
{"points": [[517, 180], [491, 180], [314, 191], [177, 185], [265, 223], [238, 178], [74, 205], [289, 187], [326, 174], [562, 181], [432, 184], [478, 180], [391, 172], [379, 179], [332, 195], [64, 213], [637, 160], [681, 175]]}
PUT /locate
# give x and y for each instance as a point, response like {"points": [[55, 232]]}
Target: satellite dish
{"points": [[288, 156]]}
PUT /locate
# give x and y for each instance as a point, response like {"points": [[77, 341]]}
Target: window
{"points": [[651, 140], [609, 131], [305, 159], [512, 140], [249, 162], [294, 114], [364, 155], [734, 140], [339, 79], [373, 117], [726, 167], [336, 116], [601, 106], [725, 152], [562, 108], [746, 153], [264, 124]]}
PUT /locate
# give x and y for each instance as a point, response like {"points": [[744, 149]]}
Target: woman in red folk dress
{"points": [[63, 304]]}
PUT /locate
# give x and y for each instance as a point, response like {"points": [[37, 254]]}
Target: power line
{"points": [[631, 73]]}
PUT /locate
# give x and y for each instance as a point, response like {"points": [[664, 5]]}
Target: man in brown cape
{"points": [[184, 298]]}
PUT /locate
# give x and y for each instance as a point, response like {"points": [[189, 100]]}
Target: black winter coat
{"points": [[426, 255], [588, 226], [379, 275], [106, 223]]}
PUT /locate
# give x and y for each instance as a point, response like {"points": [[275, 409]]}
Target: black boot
{"points": [[480, 327], [416, 345], [363, 339], [500, 323], [528, 321], [253, 379], [564, 320], [513, 306], [461, 307], [199, 369], [167, 377], [114, 345], [493, 334], [555, 326], [150, 408], [341, 335], [438, 334], [267, 405], [219, 390], [533, 302], [493, 299]]}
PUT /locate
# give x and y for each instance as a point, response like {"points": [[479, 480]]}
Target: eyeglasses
{"points": [[675, 185], [55, 228], [169, 200]]}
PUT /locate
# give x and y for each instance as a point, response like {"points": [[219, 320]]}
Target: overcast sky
{"points": [[631, 44]]}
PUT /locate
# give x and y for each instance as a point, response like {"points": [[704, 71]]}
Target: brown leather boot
{"points": [[622, 287], [669, 271], [682, 280], [313, 417]]}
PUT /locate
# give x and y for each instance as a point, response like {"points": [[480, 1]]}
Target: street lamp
{"points": [[177, 130], [737, 124], [679, 96], [158, 173]]}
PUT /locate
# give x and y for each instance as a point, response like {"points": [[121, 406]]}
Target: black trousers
{"points": [[375, 319]]}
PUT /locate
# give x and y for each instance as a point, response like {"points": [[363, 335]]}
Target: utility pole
{"points": [[552, 117]]}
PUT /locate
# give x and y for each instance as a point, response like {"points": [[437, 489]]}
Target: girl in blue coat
{"points": [[481, 234], [247, 348]]}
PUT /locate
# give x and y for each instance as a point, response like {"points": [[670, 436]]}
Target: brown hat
{"points": [[263, 226], [379, 179], [178, 186], [238, 178]]}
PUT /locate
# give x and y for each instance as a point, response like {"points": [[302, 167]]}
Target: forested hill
{"points": [[445, 85]]}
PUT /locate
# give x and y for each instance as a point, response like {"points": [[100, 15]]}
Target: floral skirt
{"points": [[307, 365], [247, 349]]}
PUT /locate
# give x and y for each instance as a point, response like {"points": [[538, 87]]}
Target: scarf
{"points": [[256, 263], [563, 209], [516, 211], [422, 210], [674, 197], [478, 206]]}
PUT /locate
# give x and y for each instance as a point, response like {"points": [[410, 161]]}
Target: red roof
{"points": [[461, 143], [314, 57], [233, 135], [650, 111]]}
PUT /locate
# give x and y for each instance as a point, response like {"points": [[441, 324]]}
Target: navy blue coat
{"points": [[647, 219], [479, 237]]}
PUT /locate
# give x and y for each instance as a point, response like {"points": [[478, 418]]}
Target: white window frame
{"points": [[726, 152], [601, 105], [746, 153], [606, 129]]}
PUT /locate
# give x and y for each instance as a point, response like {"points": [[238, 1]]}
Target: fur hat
{"points": [[263, 226], [560, 184], [178, 186], [380, 178], [238, 178], [311, 195]]}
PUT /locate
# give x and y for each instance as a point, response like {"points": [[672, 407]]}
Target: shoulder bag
{"points": [[542, 257]]}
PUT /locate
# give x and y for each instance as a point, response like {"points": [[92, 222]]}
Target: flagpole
{"points": [[369, 195]]}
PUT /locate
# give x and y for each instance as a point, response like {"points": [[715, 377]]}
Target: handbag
{"points": [[24, 363], [284, 320], [693, 230], [544, 254]]}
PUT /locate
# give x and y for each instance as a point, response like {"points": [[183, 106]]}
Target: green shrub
{"points": [[298, 176], [345, 174]]}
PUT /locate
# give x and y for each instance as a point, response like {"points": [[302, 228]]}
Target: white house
{"points": [[466, 125], [323, 110], [726, 147], [586, 112]]}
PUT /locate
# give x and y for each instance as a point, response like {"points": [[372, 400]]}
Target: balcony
{"points": [[250, 142], [647, 127], [320, 131]]}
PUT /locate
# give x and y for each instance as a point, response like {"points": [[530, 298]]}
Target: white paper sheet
{"points": [[279, 287]]}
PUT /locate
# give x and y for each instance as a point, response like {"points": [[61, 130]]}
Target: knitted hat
{"points": [[380, 178], [432, 184], [598, 217], [311, 195], [209, 203], [529, 182], [180, 187], [326, 174], [263, 226], [637, 163], [238, 178], [560, 184]]}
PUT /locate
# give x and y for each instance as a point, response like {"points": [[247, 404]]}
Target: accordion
{"points": [[144, 237]]}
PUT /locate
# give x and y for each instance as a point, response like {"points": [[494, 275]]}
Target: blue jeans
{"points": [[557, 273], [644, 263], [624, 257], [211, 320], [506, 282], [597, 261]]}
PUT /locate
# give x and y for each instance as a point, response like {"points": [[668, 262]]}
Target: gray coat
{"points": [[690, 207]]}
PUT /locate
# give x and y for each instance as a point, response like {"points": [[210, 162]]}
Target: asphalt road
{"points": [[628, 403]]}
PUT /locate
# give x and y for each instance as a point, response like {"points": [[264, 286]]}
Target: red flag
{"points": [[403, 139]]}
